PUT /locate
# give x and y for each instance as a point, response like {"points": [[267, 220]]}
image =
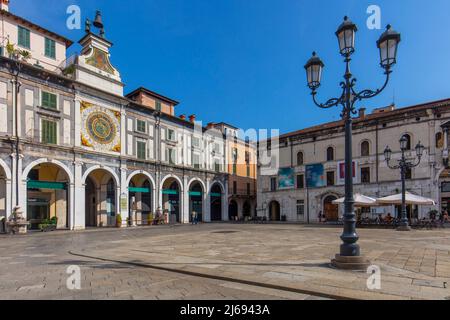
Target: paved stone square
{"points": [[222, 261]]}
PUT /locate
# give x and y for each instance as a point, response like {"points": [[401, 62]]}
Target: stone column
{"points": [[225, 203], [206, 202], [78, 198], [185, 203], [122, 199]]}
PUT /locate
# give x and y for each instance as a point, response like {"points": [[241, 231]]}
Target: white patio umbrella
{"points": [[360, 200], [410, 198]]}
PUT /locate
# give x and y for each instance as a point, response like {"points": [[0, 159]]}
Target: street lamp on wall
{"points": [[404, 164], [387, 44]]}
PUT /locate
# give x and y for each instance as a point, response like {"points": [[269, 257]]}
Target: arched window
{"points": [[408, 139], [365, 149], [330, 154], [439, 140], [300, 158]]}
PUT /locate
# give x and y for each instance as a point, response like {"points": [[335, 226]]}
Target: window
{"points": [[248, 189], [439, 140], [1, 51], [300, 181], [235, 154], [248, 170], [158, 105], [50, 48], [141, 150], [141, 126], [171, 155], [171, 135], [49, 131], [365, 149], [24, 37], [216, 148], [196, 160], [195, 142], [234, 168], [273, 184], [365, 175], [49, 100], [408, 139], [300, 158], [408, 174], [234, 187], [330, 154], [217, 166], [300, 207], [330, 178]]}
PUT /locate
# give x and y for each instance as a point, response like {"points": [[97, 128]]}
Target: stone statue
{"points": [[87, 27]]}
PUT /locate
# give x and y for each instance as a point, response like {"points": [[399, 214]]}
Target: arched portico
{"points": [[48, 186], [141, 198], [196, 199], [5, 194], [216, 195], [171, 198], [101, 186]]}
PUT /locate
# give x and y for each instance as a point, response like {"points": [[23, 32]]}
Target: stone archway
{"points": [[5, 198], [232, 210], [172, 199], [216, 195], [48, 188], [101, 193], [140, 199], [196, 194]]}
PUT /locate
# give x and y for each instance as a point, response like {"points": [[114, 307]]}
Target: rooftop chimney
{"points": [[183, 117], [4, 5], [192, 118], [362, 112]]}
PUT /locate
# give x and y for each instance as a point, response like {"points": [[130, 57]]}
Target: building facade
{"points": [[73, 146], [306, 172], [241, 159]]}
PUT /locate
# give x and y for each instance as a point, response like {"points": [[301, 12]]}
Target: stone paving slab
{"points": [[414, 265]]}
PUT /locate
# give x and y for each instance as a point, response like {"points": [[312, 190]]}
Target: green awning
{"points": [[139, 190], [33, 184], [195, 193], [215, 194], [170, 191]]}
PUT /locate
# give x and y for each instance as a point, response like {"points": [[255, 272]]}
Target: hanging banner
{"points": [[315, 176], [341, 174], [286, 178]]}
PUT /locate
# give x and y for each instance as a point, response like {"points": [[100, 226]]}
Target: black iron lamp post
{"points": [[349, 257], [404, 164]]}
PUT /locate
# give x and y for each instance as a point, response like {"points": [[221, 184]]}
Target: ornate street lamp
{"points": [[404, 164], [349, 256]]}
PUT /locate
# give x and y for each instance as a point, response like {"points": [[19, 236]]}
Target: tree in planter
{"points": [[17, 54]]}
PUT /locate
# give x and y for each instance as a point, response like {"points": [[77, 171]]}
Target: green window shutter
{"points": [[49, 100], [49, 131], [50, 48], [24, 37], [141, 126], [141, 150]]}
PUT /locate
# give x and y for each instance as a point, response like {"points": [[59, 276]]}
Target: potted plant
{"points": [[48, 224], [119, 221]]}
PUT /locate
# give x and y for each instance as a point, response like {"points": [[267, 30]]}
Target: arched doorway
{"points": [[330, 210], [48, 195], [171, 199], [274, 211], [232, 210], [246, 209], [140, 200], [216, 202], [100, 199], [196, 201]]}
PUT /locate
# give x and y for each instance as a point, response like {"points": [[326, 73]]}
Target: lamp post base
{"points": [[404, 228], [357, 263]]}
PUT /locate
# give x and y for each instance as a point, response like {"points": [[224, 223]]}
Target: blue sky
{"points": [[241, 61]]}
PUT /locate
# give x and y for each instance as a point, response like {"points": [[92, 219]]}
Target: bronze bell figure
{"points": [[98, 20]]}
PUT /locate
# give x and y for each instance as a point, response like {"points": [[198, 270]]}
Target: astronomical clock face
{"points": [[101, 128]]}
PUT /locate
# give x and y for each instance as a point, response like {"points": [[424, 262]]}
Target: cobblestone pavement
{"points": [[223, 261], [34, 267]]}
